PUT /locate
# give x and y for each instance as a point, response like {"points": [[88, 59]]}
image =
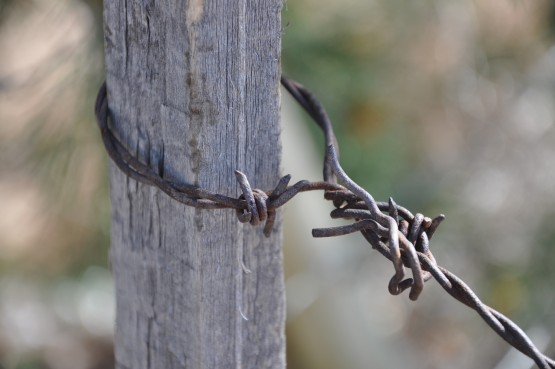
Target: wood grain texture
{"points": [[193, 89]]}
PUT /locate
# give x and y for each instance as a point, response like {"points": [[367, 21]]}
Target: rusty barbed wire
{"points": [[392, 230]]}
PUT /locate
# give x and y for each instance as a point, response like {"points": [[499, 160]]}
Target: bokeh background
{"points": [[446, 105]]}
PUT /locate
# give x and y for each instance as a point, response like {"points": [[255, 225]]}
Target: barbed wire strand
{"points": [[392, 230]]}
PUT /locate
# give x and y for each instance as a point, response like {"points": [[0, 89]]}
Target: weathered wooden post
{"points": [[193, 90]]}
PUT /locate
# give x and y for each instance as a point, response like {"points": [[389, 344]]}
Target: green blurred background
{"points": [[448, 106]]}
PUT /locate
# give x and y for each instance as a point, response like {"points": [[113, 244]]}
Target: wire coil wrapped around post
{"points": [[392, 230]]}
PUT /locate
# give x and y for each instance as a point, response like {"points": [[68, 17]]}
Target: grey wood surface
{"points": [[193, 89]]}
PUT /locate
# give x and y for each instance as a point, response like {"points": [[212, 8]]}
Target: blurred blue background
{"points": [[447, 106]]}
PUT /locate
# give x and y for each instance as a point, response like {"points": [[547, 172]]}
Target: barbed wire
{"points": [[392, 230]]}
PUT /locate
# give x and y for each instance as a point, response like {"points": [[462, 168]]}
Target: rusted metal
{"points": [[392, 230]]}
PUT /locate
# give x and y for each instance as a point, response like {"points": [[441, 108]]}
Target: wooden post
{"points": [[193, 89]]}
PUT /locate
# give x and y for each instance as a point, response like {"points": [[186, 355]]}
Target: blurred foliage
{"points": [[55, 219], [54, 178], [448, 106]]}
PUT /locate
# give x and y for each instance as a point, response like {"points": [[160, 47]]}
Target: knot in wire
{"points": [[259, 206], [393, 230], [414, 238], [256, 210]]}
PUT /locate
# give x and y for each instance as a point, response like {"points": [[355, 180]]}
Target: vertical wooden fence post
{"points": [[193, 91]]}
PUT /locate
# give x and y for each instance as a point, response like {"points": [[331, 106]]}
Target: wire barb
{"points": [[392, 230]]}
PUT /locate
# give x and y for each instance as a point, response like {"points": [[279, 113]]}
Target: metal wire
{"points": [[394, 231]]}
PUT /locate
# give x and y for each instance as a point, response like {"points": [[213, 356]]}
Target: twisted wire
{"points": [[391, 229]]}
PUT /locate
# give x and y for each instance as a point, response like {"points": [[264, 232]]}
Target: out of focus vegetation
{"points": [[448, 106], [56, 299]]}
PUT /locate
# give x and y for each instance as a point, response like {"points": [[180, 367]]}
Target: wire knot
{"points": [[259, 206]]}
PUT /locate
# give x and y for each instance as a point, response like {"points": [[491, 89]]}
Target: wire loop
{"points": [[392, 230]]}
